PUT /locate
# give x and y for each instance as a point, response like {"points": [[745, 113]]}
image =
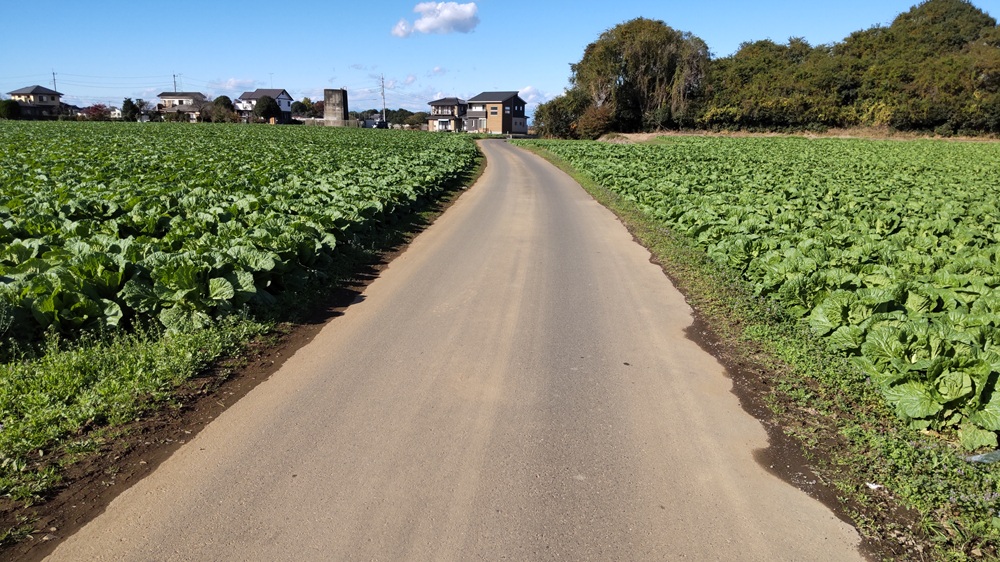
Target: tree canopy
{"points": [[10, 109], [267, 108], [130, 111], [645, 72], [221, 110], [936, 67], [308, 108], [97, 112], [224, 102]]}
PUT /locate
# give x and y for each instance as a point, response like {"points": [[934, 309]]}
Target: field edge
{"points": [[849, 439]]}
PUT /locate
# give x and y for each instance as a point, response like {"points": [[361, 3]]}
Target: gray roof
{"points": [[33, 90], [495, 96], [261, 92], [447, 101]]}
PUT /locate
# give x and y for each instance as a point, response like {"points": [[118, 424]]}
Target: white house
{"points": [[248, 100]]}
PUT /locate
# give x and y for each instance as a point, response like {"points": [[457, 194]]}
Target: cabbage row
{"points": [[105, 223], [889, 250]]}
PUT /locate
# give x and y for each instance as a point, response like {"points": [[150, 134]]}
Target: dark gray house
{"points": [[37, 101]]}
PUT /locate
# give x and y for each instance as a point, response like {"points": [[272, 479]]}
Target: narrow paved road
{"points": [[516, 386]]}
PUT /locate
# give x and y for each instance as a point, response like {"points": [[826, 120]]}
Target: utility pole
{"points": [[383, 97], [54, 81], [175, 83]]}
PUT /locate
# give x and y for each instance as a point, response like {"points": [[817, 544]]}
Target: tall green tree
{"points": [[935, 68], [10, 109], [267, 108], [417, 119], [647, 72], [558, 117], [768, 85], [224, 102], [130, 111], [301, 107], [920, 72]]}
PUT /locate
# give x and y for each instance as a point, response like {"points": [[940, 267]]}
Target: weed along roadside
{"points": [[766, 237], [142, 294]]}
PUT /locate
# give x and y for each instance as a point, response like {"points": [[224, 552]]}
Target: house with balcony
{"points": [[248, 100], [447, 114], [187, 103], [37, 101], [496, 113]]}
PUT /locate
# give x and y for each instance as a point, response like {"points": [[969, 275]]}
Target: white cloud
{"points": [[233, 84], [437, 71], [402, 28], [532, 95], [410, 80], [440, 17]]}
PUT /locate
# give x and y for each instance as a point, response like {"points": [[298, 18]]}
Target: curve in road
{"points": [[516, 385]]}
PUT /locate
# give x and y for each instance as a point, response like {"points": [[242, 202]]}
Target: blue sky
{"points": [[424, 50]]}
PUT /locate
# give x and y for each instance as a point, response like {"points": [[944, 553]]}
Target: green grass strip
{"points": [[92, 382]]}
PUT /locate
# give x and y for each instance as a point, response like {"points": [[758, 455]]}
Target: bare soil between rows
{"points": [[132, 452]]}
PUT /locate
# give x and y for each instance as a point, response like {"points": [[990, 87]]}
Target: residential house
{"points": [[246, 103], [37, 101], [114, 112], [447, 114], [496, 113], [188, 103]]}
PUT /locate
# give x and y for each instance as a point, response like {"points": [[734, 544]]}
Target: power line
{"points": [[22, 76], [113, 77]]}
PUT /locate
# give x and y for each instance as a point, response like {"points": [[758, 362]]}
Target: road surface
{"points": [[517, 385]]}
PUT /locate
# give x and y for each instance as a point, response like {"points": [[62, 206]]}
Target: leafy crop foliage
{"points": [[890, 251], [137, 251], [105, 225]]}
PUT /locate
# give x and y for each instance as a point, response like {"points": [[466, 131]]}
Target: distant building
{"points": [[496, 112], [447, 114], [37, 101], [188, 103], [248, 100], [335, 111]]}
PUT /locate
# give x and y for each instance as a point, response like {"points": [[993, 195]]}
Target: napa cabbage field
{"points": [[109, 224], [889, 251], [135, 257]]}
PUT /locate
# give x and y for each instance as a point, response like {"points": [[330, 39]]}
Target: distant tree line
{"points": [[308, 108], [935, 68], [393, 116]]}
